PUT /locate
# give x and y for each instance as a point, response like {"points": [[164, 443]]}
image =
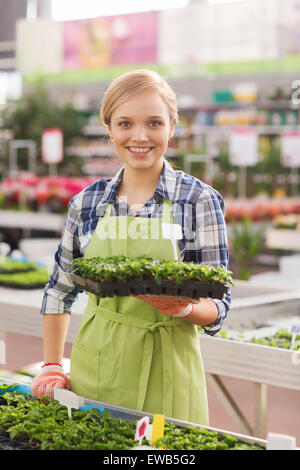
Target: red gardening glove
{"points": [[52, 377], [166, 305]]}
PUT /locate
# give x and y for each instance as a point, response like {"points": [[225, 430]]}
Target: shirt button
{"points": [[156, 197]]}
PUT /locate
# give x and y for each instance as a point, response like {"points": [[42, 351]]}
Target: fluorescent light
{"points": [[67, 10], [224, 1]]}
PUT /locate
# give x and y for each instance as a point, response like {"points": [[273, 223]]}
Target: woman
{"points": [[137, 352]]}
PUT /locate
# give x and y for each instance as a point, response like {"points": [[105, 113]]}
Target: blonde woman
{"points": [[137, 352]]}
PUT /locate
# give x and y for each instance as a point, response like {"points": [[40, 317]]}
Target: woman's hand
{"points": [[166, 305], [52, 377]]}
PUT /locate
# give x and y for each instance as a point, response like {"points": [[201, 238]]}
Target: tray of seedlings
{"points": [[123, 276], [11, 266], [237, 353], [29, 423], [35, 278]]}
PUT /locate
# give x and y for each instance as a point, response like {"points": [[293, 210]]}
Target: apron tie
{"points": [[167, 358]]}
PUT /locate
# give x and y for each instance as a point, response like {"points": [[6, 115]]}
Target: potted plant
{"points": [[246, 242]]}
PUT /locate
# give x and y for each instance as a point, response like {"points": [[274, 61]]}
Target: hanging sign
{"points": [[52, 146], [290, 148], [243, 147]]}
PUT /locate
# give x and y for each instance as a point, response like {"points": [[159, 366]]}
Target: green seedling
{"points": [[46, 424], [123, 268]]}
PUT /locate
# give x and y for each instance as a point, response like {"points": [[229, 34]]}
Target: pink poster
{"points": [[112, 40], [86, 44]]}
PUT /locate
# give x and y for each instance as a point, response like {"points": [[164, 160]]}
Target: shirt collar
{"points": [[166, 186]]}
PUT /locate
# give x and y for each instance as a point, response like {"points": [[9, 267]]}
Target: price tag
{"points": [[243, 147], [52, 146], [290, 149]]}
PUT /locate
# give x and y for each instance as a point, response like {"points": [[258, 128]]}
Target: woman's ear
{"points": [[108, 129], [171, 133]]}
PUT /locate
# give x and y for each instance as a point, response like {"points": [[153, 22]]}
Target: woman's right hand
{"points": [[52, 377]]}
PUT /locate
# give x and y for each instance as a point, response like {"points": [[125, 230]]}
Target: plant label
{"points": [[280, 442], [171, 231], [69, 399], [143, 430], [158, 427], [295, 330], [4, 250], [2, 352]]}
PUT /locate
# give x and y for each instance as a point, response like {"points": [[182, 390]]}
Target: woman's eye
{"points": [[155, 123], [124, 124]]}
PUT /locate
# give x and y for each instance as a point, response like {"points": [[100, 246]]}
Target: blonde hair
{"points": [[129, 84]]}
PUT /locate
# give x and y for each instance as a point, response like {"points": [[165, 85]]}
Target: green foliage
{"points": [[281, 339], [38, 276], [33, 113], [11, 265], [246, 242], [192, 438], [46, 424], [124, 268]]}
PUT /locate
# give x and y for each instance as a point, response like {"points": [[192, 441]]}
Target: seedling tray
{"points": [[139, 286], [131, 416], [33, 279], [14, 285], [6, 443], [16, 270]]}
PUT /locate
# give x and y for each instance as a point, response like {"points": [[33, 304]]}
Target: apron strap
{"points": [[166, 211]]}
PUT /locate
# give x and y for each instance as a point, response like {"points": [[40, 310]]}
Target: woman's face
{"points": [[140, 129]]}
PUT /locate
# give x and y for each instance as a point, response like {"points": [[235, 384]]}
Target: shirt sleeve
{"points": [[212, 247], [60, 292]]}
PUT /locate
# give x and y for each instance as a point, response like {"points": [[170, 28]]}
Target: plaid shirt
{"points": [[197, 207]]}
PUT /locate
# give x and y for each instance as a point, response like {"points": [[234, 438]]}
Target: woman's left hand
{"points": [[166, 305]]}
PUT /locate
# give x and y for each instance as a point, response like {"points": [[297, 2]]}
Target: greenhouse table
{"points": [[32, 220], [283, 239], [19, 313]]}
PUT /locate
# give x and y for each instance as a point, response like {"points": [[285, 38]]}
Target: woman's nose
{"points": [[139, 134]]}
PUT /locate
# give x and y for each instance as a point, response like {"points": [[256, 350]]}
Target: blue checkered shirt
{"points": [[196, 206]]}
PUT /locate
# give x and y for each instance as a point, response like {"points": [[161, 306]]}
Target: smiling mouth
{"points": [[139, 150]]}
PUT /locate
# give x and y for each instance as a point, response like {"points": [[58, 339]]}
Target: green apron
{"points": [[126, 352]]}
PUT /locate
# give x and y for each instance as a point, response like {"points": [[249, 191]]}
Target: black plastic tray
{"points": [[14, 285], [16, 270], [190, 289], [6, 443]]}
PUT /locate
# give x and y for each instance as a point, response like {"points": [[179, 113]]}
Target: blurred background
{"points": [[235, 67]]}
